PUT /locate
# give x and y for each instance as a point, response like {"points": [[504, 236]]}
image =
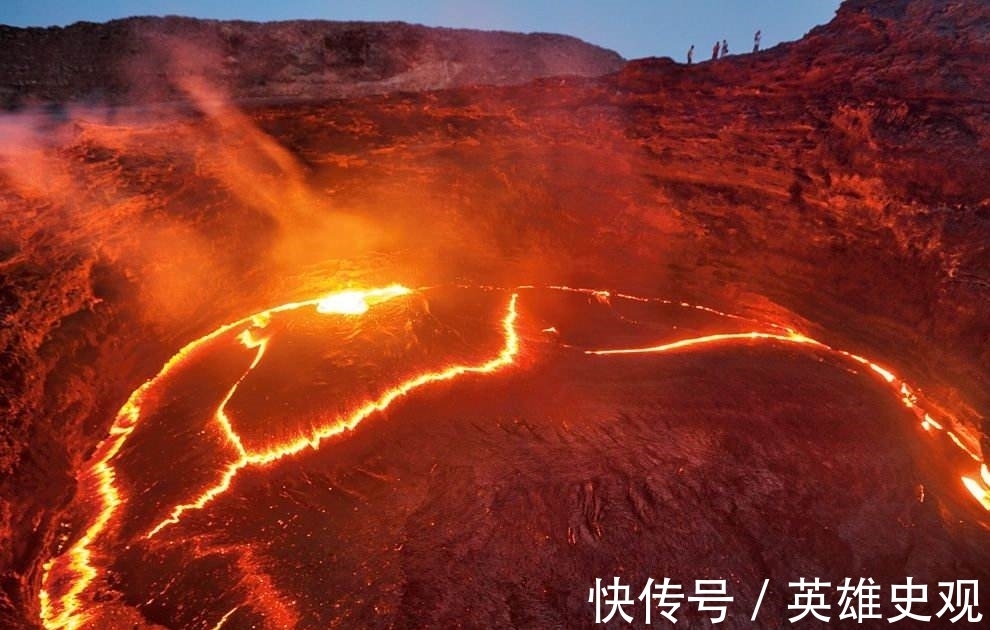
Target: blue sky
{"points": [[633, 28]]}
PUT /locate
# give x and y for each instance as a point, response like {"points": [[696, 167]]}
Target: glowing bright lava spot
{"points": [[931, 422], [358, 302], [977, 490]]}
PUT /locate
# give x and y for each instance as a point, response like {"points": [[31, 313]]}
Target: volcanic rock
{"points": [[835, 185], [140, 59]]}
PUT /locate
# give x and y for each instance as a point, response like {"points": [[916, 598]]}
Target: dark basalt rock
{"points": [[132, 60]]}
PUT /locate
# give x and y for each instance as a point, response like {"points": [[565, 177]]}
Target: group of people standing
{"points": [[721, 49]]}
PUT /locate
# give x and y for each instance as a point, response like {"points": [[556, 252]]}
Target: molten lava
{"points": [[358, 302], [69, 577]]}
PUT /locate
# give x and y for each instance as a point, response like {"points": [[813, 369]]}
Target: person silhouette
{"points": [[725, 48], [715, 51], [690, 54], [756, 41]]}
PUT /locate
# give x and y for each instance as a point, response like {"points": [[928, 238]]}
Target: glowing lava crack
{"points": [[67, 577], [77, 562]]}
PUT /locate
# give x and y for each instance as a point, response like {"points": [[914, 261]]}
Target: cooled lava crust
{"points": [[834, 186]]}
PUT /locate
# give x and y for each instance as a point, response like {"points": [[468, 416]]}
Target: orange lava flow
{"points": [[73, 572], [224, 619], [350, 421], [708, 339], [77, 562], [605, 297], [979, 488]]}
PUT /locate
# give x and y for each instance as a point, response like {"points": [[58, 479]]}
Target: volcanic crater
{"points": [[423, 328]]}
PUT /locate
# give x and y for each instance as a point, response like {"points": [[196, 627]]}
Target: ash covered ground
{"points": [[834, 186]]}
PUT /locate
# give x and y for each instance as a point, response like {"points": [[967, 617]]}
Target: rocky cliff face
{"points": [[141, 59], [836, 185]]}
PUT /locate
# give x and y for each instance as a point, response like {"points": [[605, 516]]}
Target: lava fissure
{"points": [[78, 559], [77, 569], [350, 422]]}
